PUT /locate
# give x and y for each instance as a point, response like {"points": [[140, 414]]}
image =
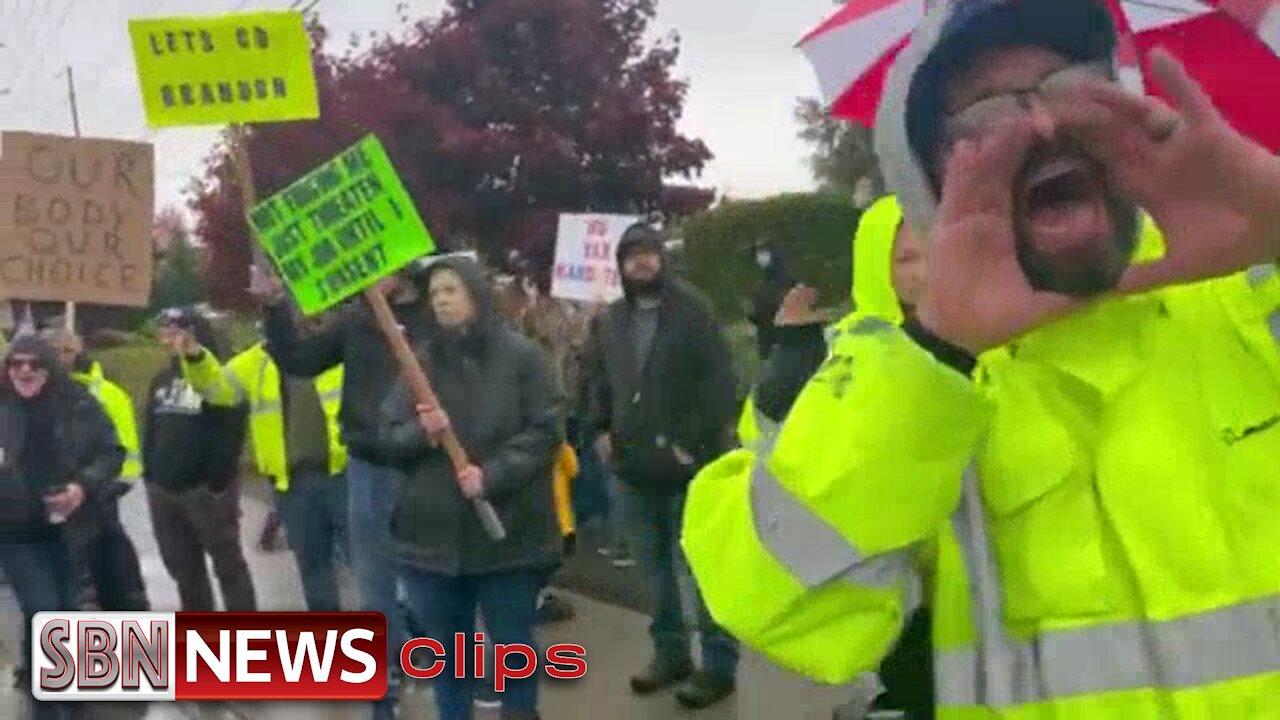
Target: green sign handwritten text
{"points": [[341, 228]]}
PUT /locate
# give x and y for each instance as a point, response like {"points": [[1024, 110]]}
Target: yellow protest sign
{"points": [[243, 68]]}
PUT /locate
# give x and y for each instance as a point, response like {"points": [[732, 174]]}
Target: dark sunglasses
{"points": [[27, 363]]}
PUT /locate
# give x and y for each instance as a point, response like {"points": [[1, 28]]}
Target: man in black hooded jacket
{"points": [[58, 454], [663, 405], [350, 337], [191, 457]]}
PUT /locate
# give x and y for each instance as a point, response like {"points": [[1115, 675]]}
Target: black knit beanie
{"points": [[1081, 30]]}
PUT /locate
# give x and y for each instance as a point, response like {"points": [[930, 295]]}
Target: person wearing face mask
{"points": [[350, 338], [1005, 455], [775, 281], [662, 404], [58, 453], [496, 396]]}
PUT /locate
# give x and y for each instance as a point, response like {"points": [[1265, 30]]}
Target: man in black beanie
{"points": [[662, 406], [191, 453]]}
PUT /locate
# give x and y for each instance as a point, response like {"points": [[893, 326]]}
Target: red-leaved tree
{"points": [[498, 115]]}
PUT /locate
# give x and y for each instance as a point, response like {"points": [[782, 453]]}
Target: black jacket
{"points": [[685, 395], [798, 353], [187, 442], [354, 341], [766, 300], [86, 450], [494, 386]]}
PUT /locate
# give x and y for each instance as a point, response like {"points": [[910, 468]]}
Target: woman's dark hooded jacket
{"points": [[493, 384], [61, 436]]}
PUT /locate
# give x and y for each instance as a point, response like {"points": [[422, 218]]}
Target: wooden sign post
{"points": [[413, 374], [410, 369]]}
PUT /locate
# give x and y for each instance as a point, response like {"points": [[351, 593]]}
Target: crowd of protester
{"points": [[571, 413]]}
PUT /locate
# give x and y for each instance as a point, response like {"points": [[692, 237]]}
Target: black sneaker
{"points": [[661, 673], [485, 697], [704, 690], [554, 609], [622, 560]]}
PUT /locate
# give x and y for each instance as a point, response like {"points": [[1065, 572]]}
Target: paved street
{"points": [[614, 637]]}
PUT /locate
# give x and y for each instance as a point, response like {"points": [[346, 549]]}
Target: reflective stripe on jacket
{"points": [[253, 377], [1095, 518], [119, 407]]}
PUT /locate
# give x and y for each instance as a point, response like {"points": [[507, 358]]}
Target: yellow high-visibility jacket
{"points": [[873, 293], [1093, 520], [253, 377], [119, 407], [566, 470]]}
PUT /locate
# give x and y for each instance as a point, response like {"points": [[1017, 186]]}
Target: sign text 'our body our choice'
{"points": [[78, 212]]}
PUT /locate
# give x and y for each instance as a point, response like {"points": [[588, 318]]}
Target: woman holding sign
{"points": [[495, 396]]}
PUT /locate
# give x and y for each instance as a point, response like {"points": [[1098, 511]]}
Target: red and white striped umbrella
{"points": [[1231, 46]]}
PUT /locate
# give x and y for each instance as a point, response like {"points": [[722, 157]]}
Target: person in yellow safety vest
{"points": [[110, 556], [1093, 521], [293, 424], [887, 256]]}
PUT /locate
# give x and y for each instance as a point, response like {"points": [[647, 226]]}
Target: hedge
{"points": [[814, 231]]}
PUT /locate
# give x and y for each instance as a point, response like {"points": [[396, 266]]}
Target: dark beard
{"points": [[1091, 279], [642, 288]]}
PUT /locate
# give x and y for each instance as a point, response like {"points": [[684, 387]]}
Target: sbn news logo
{"points": [[252, 657], [208, 656]]}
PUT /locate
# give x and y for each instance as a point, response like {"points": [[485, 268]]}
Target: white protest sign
{"points": [[586, 266]]}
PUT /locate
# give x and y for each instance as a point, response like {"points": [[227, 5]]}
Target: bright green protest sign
{"points": [[341, 228]]}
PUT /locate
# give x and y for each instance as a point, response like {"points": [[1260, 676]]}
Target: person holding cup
{"points": [[58, 452]]}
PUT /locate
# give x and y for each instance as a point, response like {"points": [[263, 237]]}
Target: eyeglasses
{"points": [[25, 363], [981, 115]]}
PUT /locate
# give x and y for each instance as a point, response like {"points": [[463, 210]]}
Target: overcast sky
{"points": [[738, 55]]}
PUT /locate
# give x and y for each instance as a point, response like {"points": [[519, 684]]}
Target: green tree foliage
{"points": [[813, 230], [177, 275], [498, 115], [842, 152]]}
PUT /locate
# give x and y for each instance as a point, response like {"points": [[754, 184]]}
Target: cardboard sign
{"points": [[245, 68], [75, 219], [341, 228], [586, 266]]}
